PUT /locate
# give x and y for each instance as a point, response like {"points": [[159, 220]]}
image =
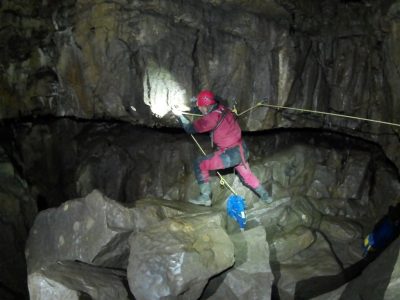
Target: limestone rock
{"points": [[284, 215], [353, 176], [93, 229], [300, 212], [290, 243], [324, 179], [72, 280], [123, 152], [45, 288], [299, 273], [251, 276], [92, 59], [268, 216], [176, 258], [148, 212], [138, 160], [345, 237], [292, 173]]}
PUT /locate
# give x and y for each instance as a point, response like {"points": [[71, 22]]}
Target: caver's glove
{"points": [[186, 124], [193, 106]]}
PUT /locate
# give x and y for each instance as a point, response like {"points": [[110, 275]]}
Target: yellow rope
{"points": [[222, 180], [191, 114], [243, 112], [317, 112]]}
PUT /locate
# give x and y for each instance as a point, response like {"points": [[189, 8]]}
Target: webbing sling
{"points": [[223, 115]]}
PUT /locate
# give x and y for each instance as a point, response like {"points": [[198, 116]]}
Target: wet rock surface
{"points": [[312, 232], [117, 62], [92, 230], [176, 258], [73, 280], [97, 59], [250, 271]]}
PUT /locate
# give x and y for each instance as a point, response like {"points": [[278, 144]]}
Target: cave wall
{"points": [[95, 59], [326, 187]]}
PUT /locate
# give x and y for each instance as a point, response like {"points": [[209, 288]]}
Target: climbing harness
{"points": [[235, 205], [222, 180], [223, 115]]}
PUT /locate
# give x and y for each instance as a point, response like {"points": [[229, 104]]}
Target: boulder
{"points": [[94, 230], [288, 244], [72, 280], [346, 239], [177, 257], [251, 276]]}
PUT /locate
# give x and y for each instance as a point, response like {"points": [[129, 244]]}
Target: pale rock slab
{"points": [[251, 276], [93, 230], [176, 258], [71, 280]]}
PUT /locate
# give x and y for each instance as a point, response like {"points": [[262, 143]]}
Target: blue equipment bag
{"points": [[236, 208], [381, 236]]}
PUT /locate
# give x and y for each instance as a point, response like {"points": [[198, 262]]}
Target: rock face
{"points": [[72, 280], [178, 254], [251, 276], [326, 200], [79, 158], [176, 258], [140, 160], [327, 191], [131, 61], [92, 230], [81, 248], [96, 59]]}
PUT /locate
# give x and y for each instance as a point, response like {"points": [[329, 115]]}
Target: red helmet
{"points": [[205, 98]]}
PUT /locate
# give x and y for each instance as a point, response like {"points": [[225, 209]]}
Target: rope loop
{"points": [[222, 181]]}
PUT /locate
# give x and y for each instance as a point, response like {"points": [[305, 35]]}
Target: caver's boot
{"points": [[205, 195], [264, 196]]}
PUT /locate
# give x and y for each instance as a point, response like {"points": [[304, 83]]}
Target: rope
{"points": [[317, 112], [191, 114], [222, 180]]}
